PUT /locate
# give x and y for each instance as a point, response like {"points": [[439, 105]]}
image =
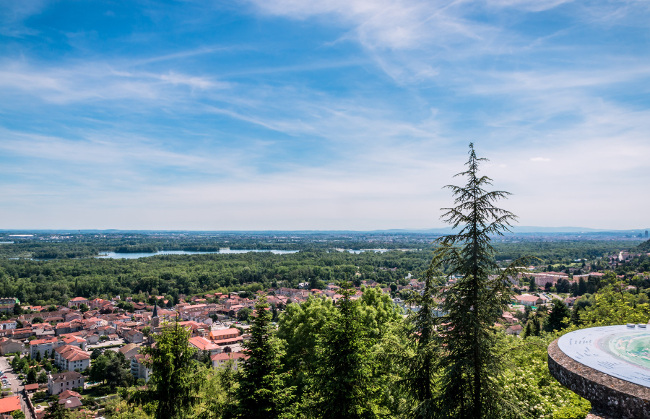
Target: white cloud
{"points": [[97, 81], [13, 15]]}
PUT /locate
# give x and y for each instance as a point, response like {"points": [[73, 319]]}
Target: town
{"points": [[58, 354]]}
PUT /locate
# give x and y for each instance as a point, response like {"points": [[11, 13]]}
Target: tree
{"points": [[261, 392], [174, 378], [32, 375], [55, 411], [300, 327], [98, 367], [344, 382], [117, 371], [42, 378], [243, 314], [558, 318], [470, 366], [419, 376]]}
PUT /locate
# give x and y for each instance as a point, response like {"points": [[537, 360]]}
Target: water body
{"points": [[113, 255], [6, 242], [359, 251]]}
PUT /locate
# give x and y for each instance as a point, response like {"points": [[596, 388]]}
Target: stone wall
{"points": [[610, 397]]}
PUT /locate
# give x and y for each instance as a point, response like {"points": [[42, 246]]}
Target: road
{"points": [[15, 383]]}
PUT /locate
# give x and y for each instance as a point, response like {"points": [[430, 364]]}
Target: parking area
{"points": [[13, 382], [12, 378]]}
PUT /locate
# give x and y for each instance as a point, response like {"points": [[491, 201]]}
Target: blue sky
{"points": [[298, 114]]}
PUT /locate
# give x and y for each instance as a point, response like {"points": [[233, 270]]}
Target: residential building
{"points": [[139, 368], [9, 404], [203, 344], [219, 360], [58, 383], [42, 346], [132, 335], [70, 399], [527, 300], [71, 358], [78, 301], [7, 304], [129, 350], [8, 324], [9, 346], [218, 336]]}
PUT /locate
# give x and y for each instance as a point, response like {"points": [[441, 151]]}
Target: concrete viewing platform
{"points": [[609, 366]]}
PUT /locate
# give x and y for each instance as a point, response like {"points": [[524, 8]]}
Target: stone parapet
{"points": [[610, 397]]}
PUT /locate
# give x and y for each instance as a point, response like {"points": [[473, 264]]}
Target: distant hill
{"points": [[644, 247]]}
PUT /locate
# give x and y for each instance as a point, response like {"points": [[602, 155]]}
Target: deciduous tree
{"points": [[174, 382]]}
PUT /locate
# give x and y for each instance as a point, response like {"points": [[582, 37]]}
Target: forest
{"points": [[56, 280]]}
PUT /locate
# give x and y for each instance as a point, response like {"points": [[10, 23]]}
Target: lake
{"points": [[113, 255]]}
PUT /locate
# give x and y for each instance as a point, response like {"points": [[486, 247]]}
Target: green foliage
{"points": [[421, 362], [175, 380], [558, 318], [377, 311], [244, 314], [56, 281], [528, 384], [111, 368], [643, 247], [32, 375], [56, 411], [345, 383], [261, 391], [42, 378], [614, 305], [471, 367], [300, 327], [218, 394], [121, 409]]}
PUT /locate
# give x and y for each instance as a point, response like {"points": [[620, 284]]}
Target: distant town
{"points": [[50, 350]]}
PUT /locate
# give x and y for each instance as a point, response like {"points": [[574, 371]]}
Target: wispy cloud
{"points": [[311, 114], [96, 81], [13, 15]]}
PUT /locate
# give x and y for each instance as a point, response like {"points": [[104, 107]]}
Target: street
{"points": [[15, 384]]}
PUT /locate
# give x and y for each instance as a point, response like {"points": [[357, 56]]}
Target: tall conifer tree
{"points": [[261, 391], [343, 382], [475, 301], [419, 375]]}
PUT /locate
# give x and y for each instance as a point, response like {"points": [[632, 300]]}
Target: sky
{"points": [[320, 115]]}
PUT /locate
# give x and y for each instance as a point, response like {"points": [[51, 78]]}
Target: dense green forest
{"points": [[74, 272]]}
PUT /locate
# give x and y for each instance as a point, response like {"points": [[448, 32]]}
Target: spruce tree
{"points": [[558, 318], [261, 391], [475, 301], [419, 376]]}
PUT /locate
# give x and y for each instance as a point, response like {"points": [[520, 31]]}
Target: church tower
{"points": [[155, 321]]}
